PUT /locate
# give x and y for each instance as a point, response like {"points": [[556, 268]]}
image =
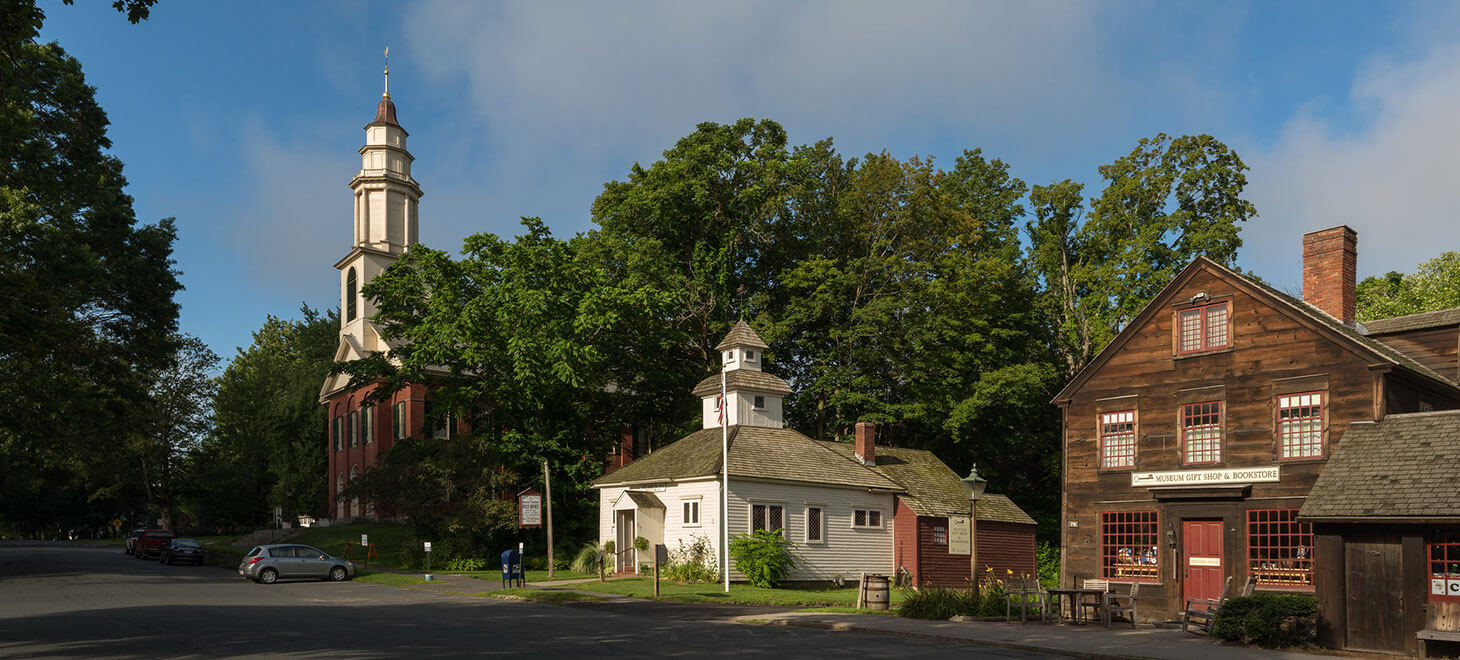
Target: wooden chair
{"points": [[1095, 602], [1024, 595], [1203, 611], [1112, 605]]}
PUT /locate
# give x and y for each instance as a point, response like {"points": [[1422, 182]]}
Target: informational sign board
{"points": [[529, 508], [365, 540], [1178, 478], [428, 546], [960, 535]]}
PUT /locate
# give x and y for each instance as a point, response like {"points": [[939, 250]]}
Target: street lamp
{"points": [[974, 486]]}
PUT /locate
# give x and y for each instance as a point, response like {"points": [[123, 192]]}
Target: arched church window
{"points": [[350, 294]]}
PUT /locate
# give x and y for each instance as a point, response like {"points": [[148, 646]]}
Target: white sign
{"points": [[365, 539], [959, 535], [1205, 477], [1454, 587], [428, 546], [1204, 561], [531, 510], [1437, 586]]}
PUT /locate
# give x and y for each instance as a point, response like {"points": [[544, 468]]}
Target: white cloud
{"points": [[1393, 178]]}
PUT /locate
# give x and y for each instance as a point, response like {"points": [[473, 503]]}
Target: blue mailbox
{"points": [[512, 569]]}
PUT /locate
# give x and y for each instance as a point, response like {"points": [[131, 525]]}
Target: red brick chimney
{"points": [[866, 446], [1330, 271]]}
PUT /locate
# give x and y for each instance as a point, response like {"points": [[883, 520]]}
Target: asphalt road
{"points": [[70, 602]]}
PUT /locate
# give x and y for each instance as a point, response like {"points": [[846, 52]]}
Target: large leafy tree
{"points": [[1435, 285], [268, 444], [545, 350], [1163, 204], [86, 292]]}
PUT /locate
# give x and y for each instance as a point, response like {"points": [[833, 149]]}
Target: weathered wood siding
{"points": [[1436, 348], [1372, 588], [905, 547], [1271, 353], [1004, 548], [938, 567]]}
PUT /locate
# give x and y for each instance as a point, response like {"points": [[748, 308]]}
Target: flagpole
{"points": [[725, 484]]}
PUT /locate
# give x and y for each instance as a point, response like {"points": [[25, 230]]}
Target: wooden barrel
{"points": [[877, 593]]}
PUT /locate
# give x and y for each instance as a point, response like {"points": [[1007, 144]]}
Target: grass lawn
{"points": [[540, 596], [385, 577], [388, 540], [740, 594]]}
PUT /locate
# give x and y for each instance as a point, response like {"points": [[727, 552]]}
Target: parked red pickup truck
{"points": [[151, 542]]}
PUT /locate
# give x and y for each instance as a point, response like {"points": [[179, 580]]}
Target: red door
{"points": [[1204, 567]]}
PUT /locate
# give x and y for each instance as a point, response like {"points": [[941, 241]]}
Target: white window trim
{"points": [[750, 514], [757, 402], [806, 531], [881, 519], [699, 511]]}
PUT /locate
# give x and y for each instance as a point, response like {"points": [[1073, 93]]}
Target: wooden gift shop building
{"points": [[1192, 442]]}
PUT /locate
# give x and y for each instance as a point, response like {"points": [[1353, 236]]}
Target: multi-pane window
{"points": [[691, 512], [398, 421], [1128, 546], [1203, 328], [355, 429], [866, 518], [1279, 548], [1118, 439], [767, 516], [815, 525], [337, 430], [759, 403], [940, 535], [1444, 553], [1201, 432], [367, 425], [1300, 425]]}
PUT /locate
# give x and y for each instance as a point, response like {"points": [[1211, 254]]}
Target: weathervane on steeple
{"points": [[387, 72]]}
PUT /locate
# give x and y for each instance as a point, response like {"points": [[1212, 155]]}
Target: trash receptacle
{"points": [[877, 593], [512, 569]]}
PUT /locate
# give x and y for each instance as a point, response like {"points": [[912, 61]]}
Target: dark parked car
{"points": [[151, 542], [181, 550], [267, 564], [132, 540]]}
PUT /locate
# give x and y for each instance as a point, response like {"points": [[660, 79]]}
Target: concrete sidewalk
{"points": [[1090, 641]]}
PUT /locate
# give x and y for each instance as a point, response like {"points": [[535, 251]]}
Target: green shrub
{"points": [[1268, 620], [693, 563], [1047, 562], [763, 556], [586, 561], [641, 544], [466, 564], [943, 603]]}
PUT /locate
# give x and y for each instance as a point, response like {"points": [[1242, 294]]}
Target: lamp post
{"points": [[974, 486]]}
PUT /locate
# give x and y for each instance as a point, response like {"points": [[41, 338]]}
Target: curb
{"points": [[853, 627]]}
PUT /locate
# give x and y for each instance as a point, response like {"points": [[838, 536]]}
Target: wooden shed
{"points": [[1386, 520]]}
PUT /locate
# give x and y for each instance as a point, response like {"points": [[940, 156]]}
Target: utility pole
{"points": [[547, 500]]}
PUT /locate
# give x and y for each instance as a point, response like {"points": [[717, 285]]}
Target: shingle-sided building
{"points": [[1386, 524], [1192, 441], [850, 509]]}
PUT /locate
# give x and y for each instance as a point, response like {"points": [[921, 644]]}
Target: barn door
{"points": [[1375, 603], [1205, 569]]}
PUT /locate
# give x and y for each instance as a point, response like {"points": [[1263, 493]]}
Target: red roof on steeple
{"points": [[385, 112]]}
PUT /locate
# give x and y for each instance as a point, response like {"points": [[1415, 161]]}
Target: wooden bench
{"points": [[1425, 636], [1024, 595], [1203, 611]]}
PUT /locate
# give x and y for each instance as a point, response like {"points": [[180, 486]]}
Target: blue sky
{"points": [[242, 119]]}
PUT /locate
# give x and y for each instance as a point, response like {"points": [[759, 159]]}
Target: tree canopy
{"points": [[1435, 285]]}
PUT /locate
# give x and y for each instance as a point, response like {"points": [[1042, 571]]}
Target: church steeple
{"points": [[385, 226]]}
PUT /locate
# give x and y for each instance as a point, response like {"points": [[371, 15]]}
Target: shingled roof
{"points": [[1421, 321], [933, 488], [1402, 467], [742, 379], [755, 452], [741, 335]]}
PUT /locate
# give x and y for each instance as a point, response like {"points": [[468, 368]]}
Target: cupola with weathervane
{"points": [[752, 397]]}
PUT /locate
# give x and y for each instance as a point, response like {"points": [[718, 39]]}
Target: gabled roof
{"points": [[741, 335], [1421, 321], [1402, 467], [1311, 316], [742, 379], [933, 488], [756, 453]]}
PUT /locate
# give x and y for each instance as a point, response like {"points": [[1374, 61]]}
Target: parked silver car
{"points": [[267, 564]]}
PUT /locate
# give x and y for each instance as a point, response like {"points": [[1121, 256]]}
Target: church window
{"points": [[398, 421], [350, 294], [355, 429], [367, 425], [759, 402], [767, 516], [750, 356]]}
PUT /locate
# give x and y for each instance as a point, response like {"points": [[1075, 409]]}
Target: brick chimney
{"points": [[1330, 271], [866, 446]]}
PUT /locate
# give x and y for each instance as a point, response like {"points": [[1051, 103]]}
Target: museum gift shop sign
{"points": [[1249, 475]]}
